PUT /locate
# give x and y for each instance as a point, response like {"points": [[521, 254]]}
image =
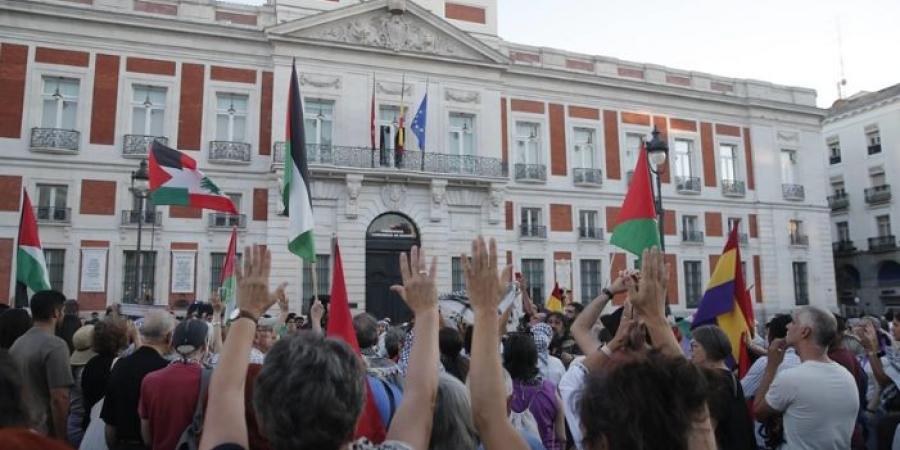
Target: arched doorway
{"points": [[388, 235]]}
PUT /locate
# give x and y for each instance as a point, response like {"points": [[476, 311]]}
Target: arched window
{"points": [[392, 225]]}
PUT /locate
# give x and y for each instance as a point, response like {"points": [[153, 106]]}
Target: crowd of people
{"points": [[592, 377]]}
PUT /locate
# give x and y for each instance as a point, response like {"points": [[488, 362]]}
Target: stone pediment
{"points": [[371, 25]]}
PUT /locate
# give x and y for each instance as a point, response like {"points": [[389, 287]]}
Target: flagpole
{"points": [[401, 122], [422, 150], [372, 121]]}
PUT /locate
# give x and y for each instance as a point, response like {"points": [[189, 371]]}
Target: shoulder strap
{"points": [[205, 375]]}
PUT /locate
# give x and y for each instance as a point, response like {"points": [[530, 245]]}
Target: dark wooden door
{"points": [[382, 272]]}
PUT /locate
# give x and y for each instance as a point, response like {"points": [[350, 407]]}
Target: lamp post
{"points": [[658, 151], [140, 186]]}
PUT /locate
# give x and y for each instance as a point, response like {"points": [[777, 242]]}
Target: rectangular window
{"points": [[734, 222], [633, 142], [843, 231], [884, 225], [834, 150], [533, 272], [683, 158], [528, 143], [457, 277], [801, 289], [148, 277], [588, 219], [231, 117], [60, 103], [590, 280], [693, 281], [877, 179], [51, 205], [461, 135], [584, 151], [873, 139], [318, 122], [56, 266], [690, 224], [728, 162], [788, 167], [795, 227], [217, 265], [148, 110], [323, 279], [389, 116], [837, 187]]}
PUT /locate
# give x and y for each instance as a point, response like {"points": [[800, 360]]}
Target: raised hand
{"points": [[623, 333], [418, 289], [619, 285], [776, 352], [869, 337], [484, 285], [648, 294], [281, 297], [253, 294], [316, 312], [217, 305]]}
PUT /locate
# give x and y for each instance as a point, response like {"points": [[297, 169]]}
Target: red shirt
{"points": [[168, 399]]}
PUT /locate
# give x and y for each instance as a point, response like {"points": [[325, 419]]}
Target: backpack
{"points": [[524, 420], [190, 437]]}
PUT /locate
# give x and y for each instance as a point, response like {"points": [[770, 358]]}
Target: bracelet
{"points": [[608, 293], [606, 351], [244, 314]]}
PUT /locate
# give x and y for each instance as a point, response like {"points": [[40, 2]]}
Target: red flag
{"points": [[340, 325]]}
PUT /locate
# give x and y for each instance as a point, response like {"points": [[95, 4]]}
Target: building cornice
{"points": [[861, 110]]}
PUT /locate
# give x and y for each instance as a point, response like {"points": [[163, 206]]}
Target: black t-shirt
{"points": [[94, 379], [120, 408]]}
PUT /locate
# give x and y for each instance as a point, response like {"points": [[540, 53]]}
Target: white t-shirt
{"points": [[570, 392], [819, 401], [552, 371]]}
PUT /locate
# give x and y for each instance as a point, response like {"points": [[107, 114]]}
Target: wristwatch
{"points": [[608, 293], [244, 314]]}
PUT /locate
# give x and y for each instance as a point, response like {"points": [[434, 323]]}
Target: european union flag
{"points": [[418, 123]]}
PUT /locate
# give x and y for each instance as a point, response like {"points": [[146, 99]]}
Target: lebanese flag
{"points": [[340, 325], [31, 268], [229, 280], [175, 180]]}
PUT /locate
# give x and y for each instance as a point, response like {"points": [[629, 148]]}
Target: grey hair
{"points": [[454, 428], [157, 326], [821, 322]]}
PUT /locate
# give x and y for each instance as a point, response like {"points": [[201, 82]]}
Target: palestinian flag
{"points": [[228, 281], [31, 269], [296, 193], [636, 227], [175, 180]]}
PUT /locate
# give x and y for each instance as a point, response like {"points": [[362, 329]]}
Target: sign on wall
{"points": [[93, 270], [563, 269], [183, 265]]}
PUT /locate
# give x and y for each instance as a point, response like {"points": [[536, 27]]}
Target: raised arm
{"points": [[316, 312], [225, 422], [582, 328], [648, 295], [870, 342], [413, 421], [485, 289]]}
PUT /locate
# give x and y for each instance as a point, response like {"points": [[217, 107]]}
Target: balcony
{"points": [[227, 152], [137, 145], [793, 192], [535, 173], [692, 237], [227, 221], [843, 247], [878, 194], [54, 140], [533, 231], [131, 218], [882, 244], [687, 185], [52, 214], [590, 233], [838, 201], [733, 188], [587, 177], [834, 160], [799, 240], [874, 149]]}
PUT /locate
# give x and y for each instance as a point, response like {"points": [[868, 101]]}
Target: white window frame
{"points": [[130, 80], [580, 160], [697, 224], [53, 194], [834, 143], [35, 86], [251, 129], [531, 223], [148, 119], [595, 212], [451, 129], [393, 123], [60, 102], [843, 233], [538, 139], [693, 171], [738, 162], [878, 226], [314, 115], [232, 115], [789, 175], [625, 130]]}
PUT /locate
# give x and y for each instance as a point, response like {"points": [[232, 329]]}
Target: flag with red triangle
{"points": [[175, 180], [31, 268], [636, 227], [340, 325], [228, 280]]}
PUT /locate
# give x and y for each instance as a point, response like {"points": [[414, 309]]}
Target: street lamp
{"points": [[658, 151], [140, 187]]}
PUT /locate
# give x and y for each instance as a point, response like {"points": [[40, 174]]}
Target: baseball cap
{"points": [[82, 340], [190, 335]]}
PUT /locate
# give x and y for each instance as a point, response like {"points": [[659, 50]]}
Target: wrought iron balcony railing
{"points": [[878, 194], [733, 188], [531, 172], [54, 140], [225, 220], [228, 152], [137, 145], [794, 192], [694, 237], [882, 243], [687, 185], [843, 247], [52, 214], [131, 218], [799, 240], [587, 177], [590, 233], [838, 201], [834, 160], [874, 149], [533, 231]]}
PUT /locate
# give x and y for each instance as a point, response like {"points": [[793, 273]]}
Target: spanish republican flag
{"points": [[636, 228], [726, 302], [554, 303]]}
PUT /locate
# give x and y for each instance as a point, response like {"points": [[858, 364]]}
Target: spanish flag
{"points": [[726, 302], [554, 303]]}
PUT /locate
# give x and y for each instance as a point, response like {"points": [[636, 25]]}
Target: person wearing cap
{"points": [[120, 409], [169, 395], [82, 341]]}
